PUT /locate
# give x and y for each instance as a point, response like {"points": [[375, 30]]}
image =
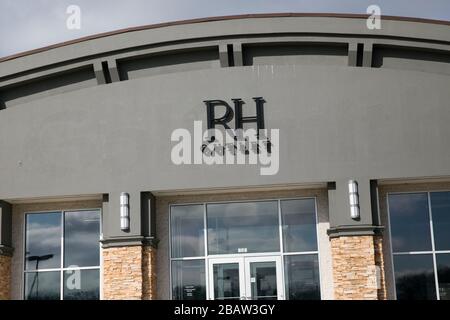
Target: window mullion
{"points": [[280, 227], [280, 230], [61, 293], [205, 238], [436, 280]]}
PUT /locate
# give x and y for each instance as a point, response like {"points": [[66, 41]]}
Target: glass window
{"points": [[81, 236], [443, 270], [237, 229], [81, 285], [226, 281], [43, 241], [187, 231], [243, 227], [74, 237], [299, 225], [188, 279], [414, 277], [440, 207], [415, 217], [42, 285], [302, 277], [410, 226]]}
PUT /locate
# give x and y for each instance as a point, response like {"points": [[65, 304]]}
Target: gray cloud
{"points": [[26, 25]]}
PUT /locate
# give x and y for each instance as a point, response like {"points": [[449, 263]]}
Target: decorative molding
{"points": [[6, 251], [129, 241], [357, 230]]}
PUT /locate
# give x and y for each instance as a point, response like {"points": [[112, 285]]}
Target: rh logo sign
{"points": [[228, 146]]}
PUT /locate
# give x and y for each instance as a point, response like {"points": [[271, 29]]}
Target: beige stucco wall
{"points": [[325, 263], [18, 220], [387, 250]]}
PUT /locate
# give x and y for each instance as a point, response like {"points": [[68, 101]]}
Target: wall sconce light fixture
{"points": [[354, 199], [124, 211]]}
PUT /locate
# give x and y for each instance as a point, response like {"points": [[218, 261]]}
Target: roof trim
{"points": [[218, 18]]}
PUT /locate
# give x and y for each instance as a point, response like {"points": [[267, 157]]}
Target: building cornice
{"points": [[220, 18]]}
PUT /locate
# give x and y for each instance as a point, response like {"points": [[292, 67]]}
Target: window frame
{"points": [[433, 252], [281, 253], [61, 269]]}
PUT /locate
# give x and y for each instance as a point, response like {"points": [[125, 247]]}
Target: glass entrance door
{"points": [[245, 278], [263, 278], [226, 279]]}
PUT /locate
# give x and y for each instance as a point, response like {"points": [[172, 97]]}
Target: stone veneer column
{"points": [[5, 277], [379, 262], [6, 249], [356, 242], [358, 268], [129, 273], [129, 256], [149, 273]]}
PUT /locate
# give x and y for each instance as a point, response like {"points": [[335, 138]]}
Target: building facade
{"points": [[357, 206]]}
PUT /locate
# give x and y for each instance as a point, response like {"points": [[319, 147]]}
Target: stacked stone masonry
{"points": [[5, 277], [129, 273], [379, 262], [358, 268], [149, 273]]}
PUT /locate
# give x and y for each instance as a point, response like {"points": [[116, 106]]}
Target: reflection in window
{"points": [[443, 270], [410, 222], [81, 236], [188, 279], [81, 284], [72, 235], [43, 241], [414, 218], [299, 225], [243, 227], [226, 281], [440, 207], [42, 285], [240, 228], [414, 277], [187, 230], [264, 286], [302, 277]]}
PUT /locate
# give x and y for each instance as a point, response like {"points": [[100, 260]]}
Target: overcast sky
{"points": [[30, 24]]}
